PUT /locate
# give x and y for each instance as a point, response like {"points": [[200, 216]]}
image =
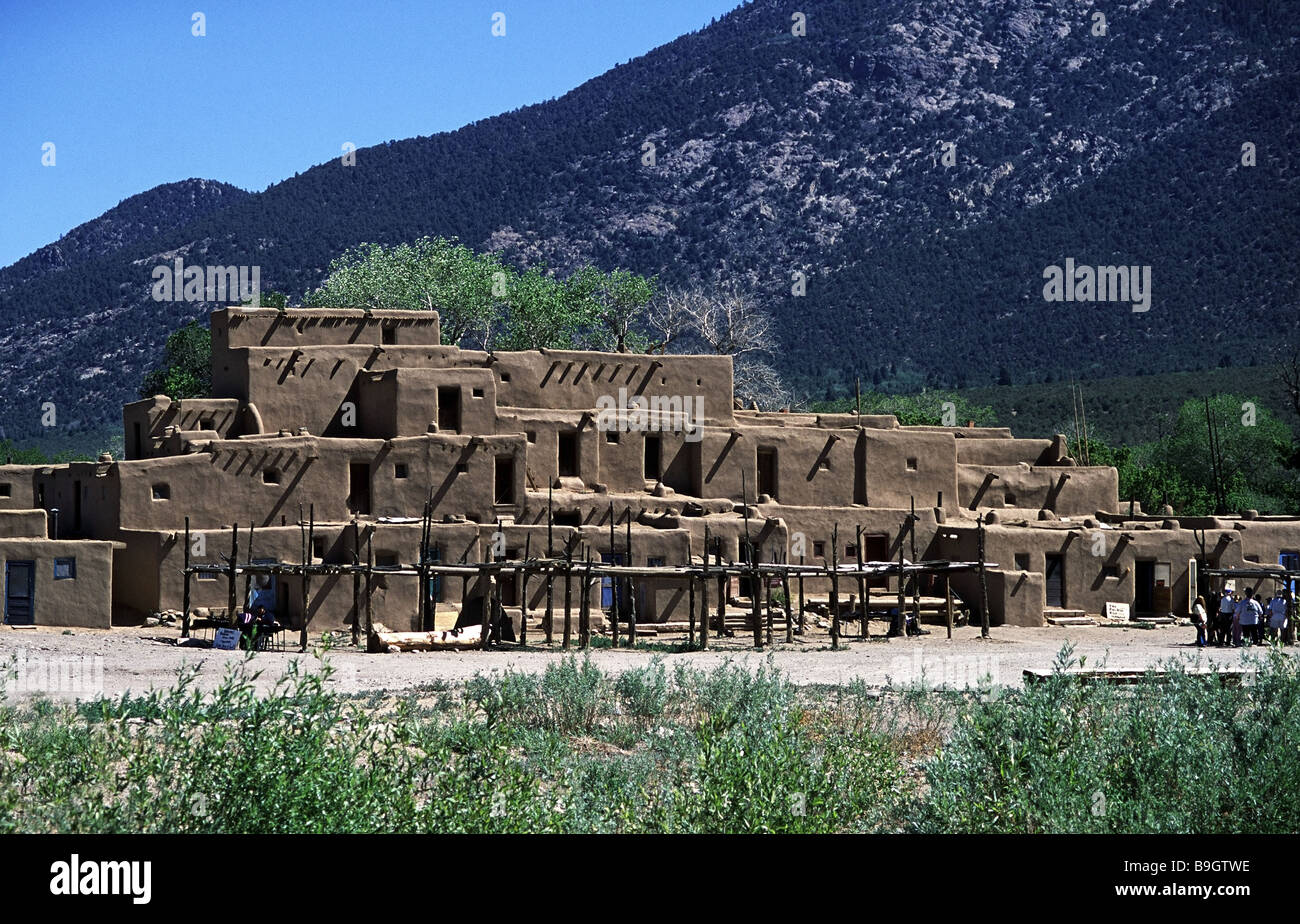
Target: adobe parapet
{"points": [[234, 328]]}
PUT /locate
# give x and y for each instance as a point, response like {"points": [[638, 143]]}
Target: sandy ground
{"points": [[84, 663]]}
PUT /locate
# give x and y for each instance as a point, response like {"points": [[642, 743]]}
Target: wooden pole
{"points": [[898, 623], [947, 591], [916, 578], [802, 611], [550, 601], [863, 631], [789, 616], [631, 589], [835, 587], [185, 600], [568, 593], [613, 583], [523, 591], [724, 585], [690, 624], [234, 558], [370, 571], [584, 606], [356, 583], [306, 577], [704, 595], [984, 587], [248, 575]]}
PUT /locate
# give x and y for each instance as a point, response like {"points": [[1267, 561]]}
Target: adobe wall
{"points": [[1065, 490], [23, 524], [233, 328], [145, 423], [83, 600], [904, 464], [18, 486]]}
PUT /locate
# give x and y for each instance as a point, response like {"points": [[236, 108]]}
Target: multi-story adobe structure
{"points": [[360, 417]]}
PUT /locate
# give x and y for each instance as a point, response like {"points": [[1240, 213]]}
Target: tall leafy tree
{"points": [[185, 369]]}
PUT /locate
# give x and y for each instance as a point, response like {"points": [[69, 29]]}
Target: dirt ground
{"points": [[84, 663]]}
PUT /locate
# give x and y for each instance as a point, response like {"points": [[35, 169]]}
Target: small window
{"points": [[478, 393], [532, 436], [611, 436], [1110, 571], [162, 492], [271, 475], [400, 470], [850, 551], [386, 559], [567, 518], [911, 464], [207, 423], [389, 336], [1009, 500], [505, 376], [206, 576], [1022, 561], [6, 490], [318, 547], [462, 467], [819, 550], [65, 569], [824, 465]]}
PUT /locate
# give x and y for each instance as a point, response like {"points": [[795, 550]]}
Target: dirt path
{"points": [[87, 662]]}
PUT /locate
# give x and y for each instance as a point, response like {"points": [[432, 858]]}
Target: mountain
{"points": [[921, 163]]}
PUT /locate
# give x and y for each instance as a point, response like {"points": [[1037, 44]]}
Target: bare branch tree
{"points": [[1289, 374]]}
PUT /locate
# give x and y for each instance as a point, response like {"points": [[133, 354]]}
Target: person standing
{"points": [[1248, 614], [1199, 620], [1238, 610], [1223, 624], [1277, 618]]}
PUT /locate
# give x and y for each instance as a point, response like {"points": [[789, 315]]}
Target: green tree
{"points": [[185, 370]]}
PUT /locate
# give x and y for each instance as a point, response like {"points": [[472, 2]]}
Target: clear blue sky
{"points": [[132, 99]]}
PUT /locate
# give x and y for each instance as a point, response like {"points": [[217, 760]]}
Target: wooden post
{"points": [[767, 601], [899, 622], [185, 600], [248, 574], [802, 611], [756, 605], [370, 570], [947, 591], [234, 558], [690, 610], [723, 586], [568, 593], [704, 595], [789, 615], [984, 587], [523, 591], [631, 589], [306, 577], [584, 601], [356, 583], [916, 578], [613, 583], [835, 587], [489, 601], [550, 600], [863, 632]]}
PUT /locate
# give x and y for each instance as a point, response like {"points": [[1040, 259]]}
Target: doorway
{"points": [[1144, 583], [359, 488], [20, 593], [449, 408], [767, 472], [1054, 574]]}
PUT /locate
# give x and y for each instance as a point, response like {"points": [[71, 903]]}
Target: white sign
{"points": [[1117, 611], [226, 640]]}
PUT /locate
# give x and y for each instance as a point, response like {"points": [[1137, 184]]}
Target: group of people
{"points": [[1245, 619]]}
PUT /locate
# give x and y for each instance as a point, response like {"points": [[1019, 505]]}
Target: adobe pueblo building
{"points": [[339, 442]]}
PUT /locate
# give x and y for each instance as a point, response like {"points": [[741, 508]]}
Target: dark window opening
{"points": [[850, 551], [388, 336], [1110, 571], [359, 487], [1022, 561], [137, 441], [819, 550], [386, 559], [462, 468], [207, 423], [400, 470], [532, 436], [504, 491], [478, 393], [162, 492], [1009, 500], [611, 436], [911, 465], [568, 454], [271, 475], [318, 548], [6, 490], [65, 569], [449, 408], [567, 518], [505, 376], [767, 472], [653, 469]]}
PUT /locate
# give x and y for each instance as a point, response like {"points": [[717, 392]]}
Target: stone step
{"points": [[1070, 620]]}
